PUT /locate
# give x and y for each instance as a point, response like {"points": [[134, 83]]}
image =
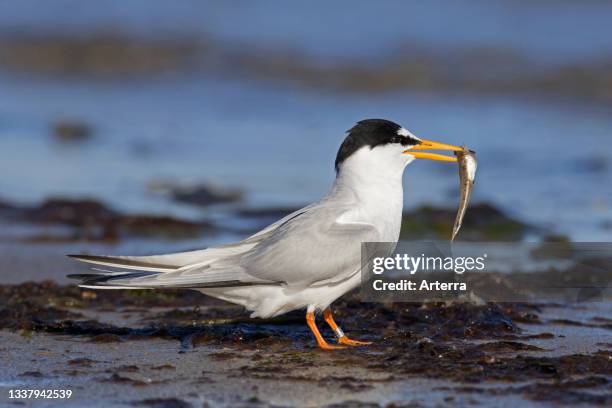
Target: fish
{"points": [[466, 160]]}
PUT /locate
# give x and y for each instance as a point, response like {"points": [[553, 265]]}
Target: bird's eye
{"points": [[404, 140]]}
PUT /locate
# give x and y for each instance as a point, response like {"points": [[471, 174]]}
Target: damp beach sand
{"points": [[181, 349]]}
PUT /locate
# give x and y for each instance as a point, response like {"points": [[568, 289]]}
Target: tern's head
{"points": [[381, 145]]}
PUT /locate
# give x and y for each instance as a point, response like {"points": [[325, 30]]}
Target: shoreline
{"points": [[180, 347]]}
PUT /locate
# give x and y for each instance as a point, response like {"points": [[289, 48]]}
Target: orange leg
{"points": [[342, 338], [310, 319]]}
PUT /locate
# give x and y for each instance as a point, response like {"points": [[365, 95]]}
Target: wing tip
{"points": [[83, 257], [124, 262]]}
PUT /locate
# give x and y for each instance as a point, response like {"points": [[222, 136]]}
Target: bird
{"points": [[309, 258]]}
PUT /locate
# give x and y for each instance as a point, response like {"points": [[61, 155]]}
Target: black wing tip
{"points": [[87, 279], [89, 276], [82, 256], [80, 275], [93, 258]]}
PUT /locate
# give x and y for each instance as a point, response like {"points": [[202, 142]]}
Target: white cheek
{"points": [[409, 158], [390, 151], [393, 155]]}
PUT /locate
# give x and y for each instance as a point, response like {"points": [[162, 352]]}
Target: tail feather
{"points": [[178, 270], [105, 280], [129, 268], [147, 280], [125, 263]]}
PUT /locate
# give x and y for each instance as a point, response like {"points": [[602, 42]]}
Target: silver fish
{"points": [[467, 171]]}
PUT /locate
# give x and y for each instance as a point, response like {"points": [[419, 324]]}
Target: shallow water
{"points": [[280, 145], [547, 160]]}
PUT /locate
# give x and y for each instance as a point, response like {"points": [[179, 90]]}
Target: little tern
{"points": [[309, 258]]}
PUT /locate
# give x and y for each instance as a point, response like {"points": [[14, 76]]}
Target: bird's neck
{"points": [[377, 186]]}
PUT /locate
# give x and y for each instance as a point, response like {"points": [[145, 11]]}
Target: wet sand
{"points": [[179, 348], [130, 374]]}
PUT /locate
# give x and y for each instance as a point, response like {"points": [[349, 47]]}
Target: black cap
{"points": [[372, 133]]}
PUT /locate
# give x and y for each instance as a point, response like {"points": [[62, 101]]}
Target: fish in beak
{"points": [[429, 145]]}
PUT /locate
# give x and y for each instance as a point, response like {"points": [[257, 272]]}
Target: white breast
{"points": [[372, 179]]}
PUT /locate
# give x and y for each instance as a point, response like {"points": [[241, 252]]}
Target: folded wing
{"points": [[315, 245]]}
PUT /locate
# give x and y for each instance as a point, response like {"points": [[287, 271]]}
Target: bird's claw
{"points": [[351, 342], [327, 346]]}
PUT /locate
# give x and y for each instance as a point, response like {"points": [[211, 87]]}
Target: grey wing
{"points": [[319, 247], [212, 267], [312, 246]]}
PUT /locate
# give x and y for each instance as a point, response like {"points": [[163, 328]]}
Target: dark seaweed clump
{"points": [[483, 222], [162, 403], [460, 342], [91, 220]]}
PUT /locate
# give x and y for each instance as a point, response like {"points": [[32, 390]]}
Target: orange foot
{"points": [[351, 342], [342, 338], [323, 345], [327, 346]]}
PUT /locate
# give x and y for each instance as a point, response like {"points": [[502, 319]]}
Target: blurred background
{"points": [[137, 127], [165, 121]]}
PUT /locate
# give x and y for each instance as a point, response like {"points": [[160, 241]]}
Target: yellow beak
{"points": [[429, 145]]}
